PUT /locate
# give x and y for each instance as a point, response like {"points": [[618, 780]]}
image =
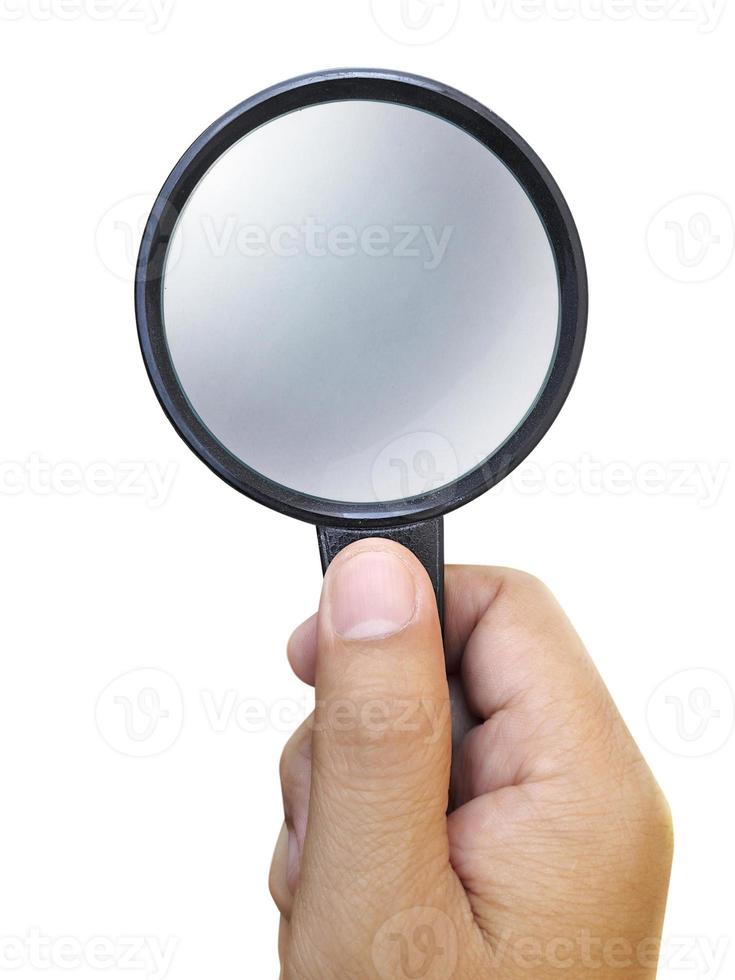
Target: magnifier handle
{"points": [[425, 540]]}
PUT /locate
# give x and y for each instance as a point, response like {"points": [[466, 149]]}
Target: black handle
{"points": [[425, 540]]}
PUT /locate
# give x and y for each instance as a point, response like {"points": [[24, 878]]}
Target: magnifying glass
{"points": [[362, 301]]}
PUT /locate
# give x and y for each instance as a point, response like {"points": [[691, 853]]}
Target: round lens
{"points": [[360, 301]]}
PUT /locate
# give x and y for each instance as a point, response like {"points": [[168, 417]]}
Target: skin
{"points": [[520, 835]]}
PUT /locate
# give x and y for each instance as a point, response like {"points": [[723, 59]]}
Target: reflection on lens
{"points": [[365, 302]]}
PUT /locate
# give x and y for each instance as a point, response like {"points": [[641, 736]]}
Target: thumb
{"points": [[381, 739]]}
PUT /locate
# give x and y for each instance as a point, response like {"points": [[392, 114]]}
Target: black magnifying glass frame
{"points": [[414, 521]]}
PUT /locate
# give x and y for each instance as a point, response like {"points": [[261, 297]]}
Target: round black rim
{"points": [[489, 129]]}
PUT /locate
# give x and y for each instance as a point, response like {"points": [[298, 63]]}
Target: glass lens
{"points": [[361, 301]]}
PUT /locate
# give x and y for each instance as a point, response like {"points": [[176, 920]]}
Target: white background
{"points": [[631, 110]]}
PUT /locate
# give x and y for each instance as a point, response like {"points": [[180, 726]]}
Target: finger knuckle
{"points": [[527, 582], [296, 753]]}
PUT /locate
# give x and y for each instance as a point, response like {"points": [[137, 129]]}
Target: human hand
{"points": [[531, 841]]}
